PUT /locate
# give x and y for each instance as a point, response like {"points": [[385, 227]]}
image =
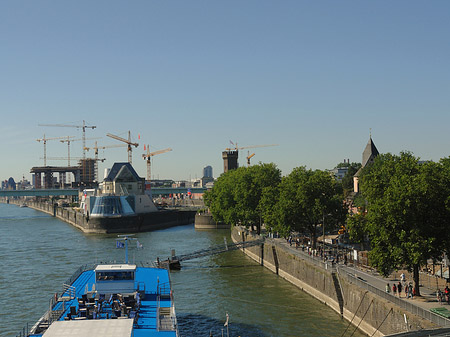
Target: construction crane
{"points": [[68, 141], [128, 142], [96, 147], [234, 153], [147, 157], [83, 127], [236, 148], [248, 158], [44, 140]]}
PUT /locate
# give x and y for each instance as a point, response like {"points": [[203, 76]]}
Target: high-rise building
{"points": [[207, 172]]}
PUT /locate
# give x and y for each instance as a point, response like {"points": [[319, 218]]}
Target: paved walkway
{"points": [[427, 300]]}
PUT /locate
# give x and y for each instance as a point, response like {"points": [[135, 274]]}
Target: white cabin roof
{"points": [[115, 267], [91, 328]]}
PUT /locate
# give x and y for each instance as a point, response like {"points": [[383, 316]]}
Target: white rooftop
{"points": [[116, 267], [91, 328]]}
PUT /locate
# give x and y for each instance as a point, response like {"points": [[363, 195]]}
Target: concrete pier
{"points": [[206, 221]]}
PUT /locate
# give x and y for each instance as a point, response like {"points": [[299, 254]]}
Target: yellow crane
{"points": [[44, 140], [248, 158], [147, 157], [237, 148], [83, 127], [128, 142]]}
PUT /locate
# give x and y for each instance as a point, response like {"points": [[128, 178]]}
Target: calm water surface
{"points": [[38, 253]]}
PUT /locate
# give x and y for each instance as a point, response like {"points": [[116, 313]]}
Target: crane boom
{"points": [[44, 140], [127, 141], [250, 147], [83, 127], [148, 155]]}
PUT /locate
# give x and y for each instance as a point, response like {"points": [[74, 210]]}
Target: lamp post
{"points": [[323, 236]]}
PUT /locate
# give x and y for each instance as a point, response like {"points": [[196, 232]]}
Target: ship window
{"points": [[115, 276], [107, 206]]}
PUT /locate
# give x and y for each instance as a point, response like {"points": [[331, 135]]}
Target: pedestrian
{"points": [[447, 294], [388, 288], [394, 290], [410, 290], [402, 277], [399, 289], [439, 296]]}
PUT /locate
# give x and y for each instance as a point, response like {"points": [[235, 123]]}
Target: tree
{"points": [[236, 195], [306, 197], [407, 212]]}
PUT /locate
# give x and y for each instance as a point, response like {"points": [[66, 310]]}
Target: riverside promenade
{"points": [[358, 294], [376, 283]]}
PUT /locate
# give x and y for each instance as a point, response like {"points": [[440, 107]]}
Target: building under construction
{"points": [[85, 175]]}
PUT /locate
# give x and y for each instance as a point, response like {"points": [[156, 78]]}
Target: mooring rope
{"points": [[362, 299], [381, 322], [362, 318]]}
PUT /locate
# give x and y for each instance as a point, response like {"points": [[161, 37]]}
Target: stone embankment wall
{"points": [[68, 215], [371, 313], [206, 221]]}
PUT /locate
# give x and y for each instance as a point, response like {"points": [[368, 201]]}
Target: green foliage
{"points": [[356, 227], [306, 197], [408, 210], [235, 197]]}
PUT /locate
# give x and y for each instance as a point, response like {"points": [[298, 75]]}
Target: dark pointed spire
{"points": [[370, 152]]}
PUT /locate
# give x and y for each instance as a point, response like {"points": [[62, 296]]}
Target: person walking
{"points": [[399, 289], [394, 290], [410, 290], [388, 288]]}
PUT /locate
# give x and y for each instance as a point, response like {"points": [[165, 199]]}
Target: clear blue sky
{"points": [[311, 76]]}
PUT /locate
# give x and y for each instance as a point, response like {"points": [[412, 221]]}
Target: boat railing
{"points": [[69, 291], [164, 290], [166, 319]]}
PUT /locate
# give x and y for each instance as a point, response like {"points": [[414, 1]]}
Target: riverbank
{"points": [[159, 220], [369, 308]]}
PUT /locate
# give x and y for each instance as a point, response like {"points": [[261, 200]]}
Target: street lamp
{"points": [[323, 236]]}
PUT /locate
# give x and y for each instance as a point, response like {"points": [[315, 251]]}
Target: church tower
{"points": [[369, 155]]}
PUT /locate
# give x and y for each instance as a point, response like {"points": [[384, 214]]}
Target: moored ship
{"points": [[123, 204], [121, 300]]}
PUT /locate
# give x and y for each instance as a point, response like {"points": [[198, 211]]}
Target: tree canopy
{"points": [[407, 211], [299, 201], [235, 197], [306, 198]]}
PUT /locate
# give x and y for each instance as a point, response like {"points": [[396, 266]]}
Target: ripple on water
{"points": [[44, 252]]}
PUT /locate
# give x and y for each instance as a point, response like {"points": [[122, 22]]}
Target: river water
{"points": [[39, 253]]}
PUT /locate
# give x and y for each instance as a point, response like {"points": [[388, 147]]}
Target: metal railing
{"points": [[332, 267], [408, 306]]}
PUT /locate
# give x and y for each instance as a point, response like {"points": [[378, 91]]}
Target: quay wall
{"points": [[206, 221], [69, 215], [371, 313]]}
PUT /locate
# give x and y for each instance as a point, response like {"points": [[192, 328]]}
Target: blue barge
{"points": [[120, 300]]}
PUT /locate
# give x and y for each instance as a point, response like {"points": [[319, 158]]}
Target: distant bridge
{"points": [[174, 190], [70, 191], [39, 192]]}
